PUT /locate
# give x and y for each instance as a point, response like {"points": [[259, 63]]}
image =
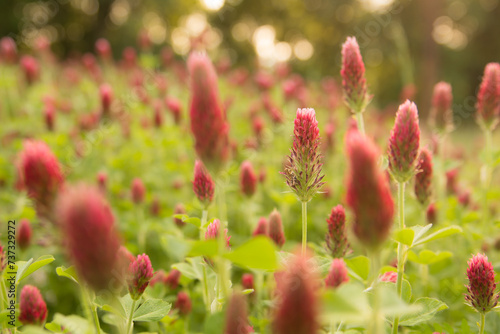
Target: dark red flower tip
{"points": [[488, 97], [368, 191], [276, 232], [208, 120], [337, 274], [183, 303], [248, 179], [90, 236], [353, 77], [481, 290], [24, 234], [203, 185], [141, 272], [441, 116], [431, 214], [138, 191], [336, 237], [32, 308], [423, 178], [297, 308], [404, 142], [237, 316], [261, 228], [39, 172]]}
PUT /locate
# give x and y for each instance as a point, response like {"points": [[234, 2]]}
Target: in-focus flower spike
{"points": [[237, 316], [248, 179], [423, 178], [488, 97], [441, 115], [208, 119], [141, 272], [353, 77], [303, 174], [481, 293], [261, 228], [337, 274], [368, 192], [90, 236], [404, 143], [32, 308], [276, 232], [41, 175], [183, 303], [203, 185], [24, 234], [138, 191], [297, 306], [336, 238], [213, 231]]}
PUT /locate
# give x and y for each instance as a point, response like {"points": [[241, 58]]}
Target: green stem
{"points": [[93, 309], [90, 309], [204, 217], [130, 324], [304, 227], [401, 249], [375, 324], [143, 228], [259, 285], [486, 178], [206, 299], [361, 123], [481, 329]]}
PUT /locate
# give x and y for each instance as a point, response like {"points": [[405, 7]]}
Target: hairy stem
{"points": [[361, 122], [481, 329], [401, 249], [130, 324], [304, 227]]}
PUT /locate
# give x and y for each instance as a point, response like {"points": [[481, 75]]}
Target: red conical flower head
{"points": [[32, 308], [353, 77], [138, 191], [236, 315], [24, 234], [337, 274], [183, 303], [336, 238], [248, 179], [441, 116], [481, 292], [276, 232], [261, 228], [141, 272], [488, 97]]}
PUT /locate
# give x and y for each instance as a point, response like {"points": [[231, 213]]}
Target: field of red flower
{"points": [[153, 194]]}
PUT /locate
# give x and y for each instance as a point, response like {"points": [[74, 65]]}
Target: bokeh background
{"points": [[407, 43]]}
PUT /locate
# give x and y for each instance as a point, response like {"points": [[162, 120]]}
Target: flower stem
{"points": [[486, 178], [204, 217], [304, 227], [361, 122], [130, 324], [90, 309], [206, 299], [481, 329], [375, 324], [401, 249]]}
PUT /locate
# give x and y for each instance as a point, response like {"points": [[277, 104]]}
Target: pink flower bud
{"points": [[24, 234], [40, 174], [102, 180], [90, 236], [389, 276], [103, 48], [248, 179], [404, 142], [452, 181], [138, 191], [237, 316], [175, 107], [106, 93], [441, 116], [261, 228], [49, 115], [173, 278], [276, 229], [213, 231], [431, 214], [336, 238], [353, 77], [30, 68], [337, 274], [423, 178], [32, 308], [303, 174], [155, 207], [297, 306], [3, 259], [183, 303], [8, 50], [481, 293], [247, 281], [368, 192], [179, 210], [208, 119], [140, 272], [203, 185], [488, 97]]}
